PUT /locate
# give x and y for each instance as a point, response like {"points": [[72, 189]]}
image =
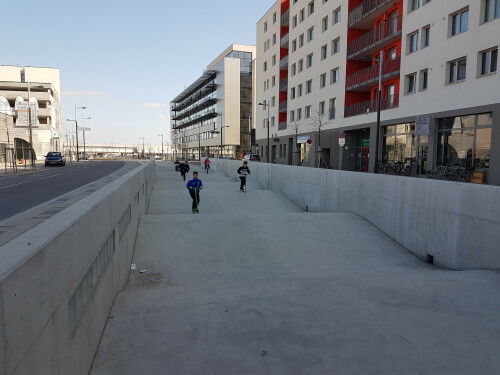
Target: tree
{"points": [[294, 131], [318, 121]]}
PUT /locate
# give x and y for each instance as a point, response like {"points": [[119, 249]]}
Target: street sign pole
{"points": [[341, 148]]}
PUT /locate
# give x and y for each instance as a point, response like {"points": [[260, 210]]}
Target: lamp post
{"points": [[142, 146], [222, 126], [83, 131], [76, 131], [380, 61], [268, 146], [162, 155]]}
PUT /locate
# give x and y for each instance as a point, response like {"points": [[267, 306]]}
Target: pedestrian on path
{"points": [[184, 168], [194, 186], [243, 171]]}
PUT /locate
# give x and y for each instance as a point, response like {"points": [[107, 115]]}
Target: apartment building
{"points": [[36, 125], [436, 65], [214, 115]]}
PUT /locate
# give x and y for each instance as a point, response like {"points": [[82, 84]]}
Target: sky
{"points": [[125, 60]]}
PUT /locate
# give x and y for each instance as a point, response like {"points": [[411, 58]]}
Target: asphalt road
{"points": [[19, 193]]}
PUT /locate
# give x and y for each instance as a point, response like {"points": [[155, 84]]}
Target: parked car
{"points": [[55, 158], [251, 157]]}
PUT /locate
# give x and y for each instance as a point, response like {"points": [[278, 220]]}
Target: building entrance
{"points": [[421, 154], [363, 159]]}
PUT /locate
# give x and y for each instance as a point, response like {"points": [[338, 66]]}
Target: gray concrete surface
{"points": [[283, 291]]}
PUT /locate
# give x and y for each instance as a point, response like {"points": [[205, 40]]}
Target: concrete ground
{"points": [[254, 285]]}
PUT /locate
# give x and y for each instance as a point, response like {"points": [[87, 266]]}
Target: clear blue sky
{"points": [[125, 60]]}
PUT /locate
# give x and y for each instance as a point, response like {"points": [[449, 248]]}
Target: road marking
{"points": [[20, 183], [58, 174]]}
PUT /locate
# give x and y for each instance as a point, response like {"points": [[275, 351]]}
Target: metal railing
{"points": [[371, 73], [284, 62], [285, 18], [284, 40], [372, 38], [284, 84], [283, 106], [366, 8], [362, 108], [282, 125]]}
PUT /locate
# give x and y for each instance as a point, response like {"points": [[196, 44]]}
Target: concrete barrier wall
{"points": [[456, 223], [45, 268]]}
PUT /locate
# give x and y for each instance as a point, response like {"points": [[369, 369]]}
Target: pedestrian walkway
{"points": [[255, 285]]}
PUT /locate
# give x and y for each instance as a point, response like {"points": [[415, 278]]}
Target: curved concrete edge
{"points": [[458, 224], [41, 270]]}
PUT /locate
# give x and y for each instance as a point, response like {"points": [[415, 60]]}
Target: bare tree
{"points": [[318, 121], [294, 129]]}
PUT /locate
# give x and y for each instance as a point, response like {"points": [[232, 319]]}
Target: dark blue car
{"points": [[55, 158]]}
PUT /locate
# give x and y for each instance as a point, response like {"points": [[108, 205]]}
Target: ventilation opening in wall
{"points": [[430, 259]]}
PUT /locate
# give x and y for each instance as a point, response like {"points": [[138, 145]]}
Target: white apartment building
{"points": [[318, 67], [213, 116], [36, 125]]}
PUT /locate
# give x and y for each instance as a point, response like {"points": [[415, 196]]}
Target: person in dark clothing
{"points": [[184, 168], [243, 171], [194, 186]]}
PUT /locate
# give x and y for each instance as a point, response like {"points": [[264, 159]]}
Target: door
{"points": [[422, 159], [363, 159]]}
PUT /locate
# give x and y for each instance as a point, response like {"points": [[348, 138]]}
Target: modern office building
{"points": [[213, 116], [36, 125], [436, 65]]}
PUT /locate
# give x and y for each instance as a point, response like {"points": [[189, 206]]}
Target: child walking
{"points": [[243, 171], [194, 186]]}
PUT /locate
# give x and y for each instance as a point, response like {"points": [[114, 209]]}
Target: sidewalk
{"points": [[254, 285]]}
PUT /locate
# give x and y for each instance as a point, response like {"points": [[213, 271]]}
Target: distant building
{"points": [[24, 126], [213, 116], [440, 97]]}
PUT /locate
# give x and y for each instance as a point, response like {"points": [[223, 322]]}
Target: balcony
{"points": [[190, 121], [365, 79], [197, 108], [284, 41], [283, 106], [284, 63], [375, 39], [367, 11], [284, 85], [362, 108], [282, 125], [285, 18]]}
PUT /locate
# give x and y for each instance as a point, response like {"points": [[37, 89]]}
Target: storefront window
{"points": [[398, 143], [465, 141]]}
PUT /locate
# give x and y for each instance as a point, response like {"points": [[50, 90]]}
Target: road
{"points": [[19, 193]]}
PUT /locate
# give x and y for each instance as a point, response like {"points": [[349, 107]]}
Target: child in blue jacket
{"points": [[194, 186]]}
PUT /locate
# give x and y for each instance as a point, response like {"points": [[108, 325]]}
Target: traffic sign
{"points": [[341, 141], [341, 135]]}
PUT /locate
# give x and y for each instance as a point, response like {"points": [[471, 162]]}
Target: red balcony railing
{"points": [[282, 125], [284, 85], [362, 108], [284, 40], [366, 76], [284, 63], [366, 8], [388, 30], [283, 106]]}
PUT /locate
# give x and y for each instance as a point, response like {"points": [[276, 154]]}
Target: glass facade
{"points": [[398, 143]]}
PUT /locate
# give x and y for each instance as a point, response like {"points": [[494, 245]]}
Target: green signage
{"points": [[365, 143]]}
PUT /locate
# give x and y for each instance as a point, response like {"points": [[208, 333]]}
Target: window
{"points": [[391, 54], [302, 15], [274, 17], [301, 40], [294, 69], [336, 16], [414, 4], [292, 116], [335, 46], [459, 22], [309, 86], [424, 79], [426, 36], [272, 121], [309, 60], [465, 140], [274, 39], [273, 101], [310, 8], [321, 108], [294, 22], [310, 34], [322, 80], [265, 66], [334, 75], [299, 114], [324, 24], [294, 45], [301, 65], [457, 70], [273, 81], [307, 111], [265, 26], [412, 41], [397, 142], [324, 52], [299, 90], [489, 61], [389, 95], [410, 83], [274, 60], [491, 10], [331, 108], [292, 93], [264, 123]]}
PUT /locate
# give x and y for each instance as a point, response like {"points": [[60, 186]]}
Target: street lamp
{"points": [[222, 126], [142, 146], [268, 146], [76, 127], [161, 135], [83, 130]]}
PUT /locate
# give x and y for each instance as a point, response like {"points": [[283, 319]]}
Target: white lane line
{"points": [[20, 183]]}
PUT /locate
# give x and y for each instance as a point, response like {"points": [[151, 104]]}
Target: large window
{"points": [[491, 10], [457, 70], [398, 143], [465, 140], [489, 61], [459, 22]]}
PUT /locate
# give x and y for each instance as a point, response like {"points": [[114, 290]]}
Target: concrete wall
{"points": [[457, 223], [41, 270]]}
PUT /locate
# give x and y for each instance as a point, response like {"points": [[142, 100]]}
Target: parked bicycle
{"points": [[394, 168], [459, 172]]}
